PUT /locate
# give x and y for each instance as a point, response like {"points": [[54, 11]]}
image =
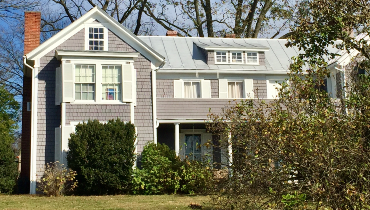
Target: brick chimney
{"points": [[32, 22], [230, 36], [171, 33]]}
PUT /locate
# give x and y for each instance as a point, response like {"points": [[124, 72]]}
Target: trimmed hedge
{"points": [[103, 157]]}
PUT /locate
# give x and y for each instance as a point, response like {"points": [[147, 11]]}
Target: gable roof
{"points": [[107, 21]]}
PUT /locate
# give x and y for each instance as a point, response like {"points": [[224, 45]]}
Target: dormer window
{"points": [[236, 57], [96, 37], [252, 58], [221, 57]]}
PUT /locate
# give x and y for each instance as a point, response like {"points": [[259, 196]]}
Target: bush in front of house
{"points": [[57, 180], [164, 173], [103, 157]]}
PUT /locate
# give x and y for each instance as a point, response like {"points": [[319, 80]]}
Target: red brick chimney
{"points": [[171, 33], [32, 22], [230, 36]]}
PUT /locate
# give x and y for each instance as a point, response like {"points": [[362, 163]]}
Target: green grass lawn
{"points": [[156, 202]]}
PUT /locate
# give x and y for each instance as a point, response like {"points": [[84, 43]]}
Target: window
{"points": [[273, 88], [235, 90], [191, 89], [84, 82], [193, 148], [252, 58], [111, 82], [236, 57], [221, 57], [96, 38]]}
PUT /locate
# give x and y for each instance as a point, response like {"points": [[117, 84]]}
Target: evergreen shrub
{"points": [[103, 157]]}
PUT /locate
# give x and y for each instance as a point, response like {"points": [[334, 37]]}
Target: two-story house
{"points": [[166, 85]]}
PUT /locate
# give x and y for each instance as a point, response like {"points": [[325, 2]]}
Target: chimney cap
{"points": [[171, 33]]}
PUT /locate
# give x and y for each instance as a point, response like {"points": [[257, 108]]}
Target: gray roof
{"points": [[186, 53]]}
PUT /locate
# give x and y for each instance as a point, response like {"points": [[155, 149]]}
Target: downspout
{"points": [[154, 95], [33, 166]]}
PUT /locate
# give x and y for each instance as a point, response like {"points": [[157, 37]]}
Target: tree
{"points": [[8, 117], [124, 11], [306, 148], [244, 18]]}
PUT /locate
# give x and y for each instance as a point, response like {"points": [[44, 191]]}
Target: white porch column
{"points": [[230, 149], [177, 138]]}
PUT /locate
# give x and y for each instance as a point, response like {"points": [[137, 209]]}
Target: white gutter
{"points": [[231, 71], [33, 166]]}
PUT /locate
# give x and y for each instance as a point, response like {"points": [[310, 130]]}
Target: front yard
{"points": [[159, 202]]}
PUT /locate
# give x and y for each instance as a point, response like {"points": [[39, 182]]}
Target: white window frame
{"points": [[231, 57], [227, 57], [74, 82], [246, 58], [87, 39], [192, 80], [98, 79], [231, 80], [202, 88]]}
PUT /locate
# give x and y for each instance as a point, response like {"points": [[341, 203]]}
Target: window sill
{"points": [[100, 102]]}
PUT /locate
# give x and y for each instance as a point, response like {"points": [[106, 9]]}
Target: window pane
{"points": [[192, 89], [235, 90]]}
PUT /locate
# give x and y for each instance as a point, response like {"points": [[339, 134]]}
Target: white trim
{"points": [[98, 79], [234, 49], [227, 56], [87, 39], [106, 21], [182, 121], [33, 161], [231, 71], [154, 107], [246, 58], [59, 54], [231, 57], [132, 113], [177, 138]]}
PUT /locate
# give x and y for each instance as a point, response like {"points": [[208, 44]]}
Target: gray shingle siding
{"points": [[211, 57], [260, 88], [190, 108], [165, 88], [84, 112], [261, 57], [214, 88]]}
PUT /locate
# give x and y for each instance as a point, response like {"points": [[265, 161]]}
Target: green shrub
{"points": [[163, 172], [103, 157], [57, 180]]}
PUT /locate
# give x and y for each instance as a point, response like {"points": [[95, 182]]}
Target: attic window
{"points": [[96, 39]]}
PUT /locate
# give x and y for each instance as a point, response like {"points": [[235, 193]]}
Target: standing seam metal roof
{"points": [[185, 53]]}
